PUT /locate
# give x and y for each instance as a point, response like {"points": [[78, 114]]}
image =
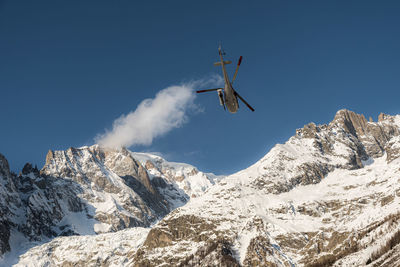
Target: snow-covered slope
{"points": [[329, 196], [110, 249]]}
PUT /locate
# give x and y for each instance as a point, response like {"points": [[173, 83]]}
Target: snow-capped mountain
{"points": [[329, 196], [88, 191]]}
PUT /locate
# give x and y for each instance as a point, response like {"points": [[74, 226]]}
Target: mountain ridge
{"points": [[344, 147], [328, 196]]}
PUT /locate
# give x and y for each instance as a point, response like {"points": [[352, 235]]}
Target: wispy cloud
{"points": [[155, 117]]}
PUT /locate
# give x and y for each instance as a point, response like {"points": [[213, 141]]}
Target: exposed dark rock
{"points": [[310, 130], [392, 149], [4, 236], [4, 167], [219, 251], [258, 252], [8, 200], [175, 229], [28, 168], [311, 174]]}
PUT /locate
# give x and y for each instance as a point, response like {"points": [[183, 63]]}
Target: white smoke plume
{"points": [[154, 117]]}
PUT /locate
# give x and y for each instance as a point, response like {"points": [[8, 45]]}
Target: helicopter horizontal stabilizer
{"points": [[225, 62]]}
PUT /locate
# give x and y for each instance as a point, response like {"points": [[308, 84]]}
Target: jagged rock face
{"points": [[392, 148], [372, 136], [34, 205], [86, 166], [6, 197], [329, 196], [188, 178], [45, 202], [4, 167], [113, 183]]}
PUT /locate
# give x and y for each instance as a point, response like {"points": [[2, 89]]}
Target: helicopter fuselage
{"points": [[230, 98]]}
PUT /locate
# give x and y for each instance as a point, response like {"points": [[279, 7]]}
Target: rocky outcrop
{"points": [[4, 168], [260, 253], [372, 136], [392, 148], [219, 251], [28, 168]]}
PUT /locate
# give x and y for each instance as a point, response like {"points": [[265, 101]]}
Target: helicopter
{"points": [[228, 97]]}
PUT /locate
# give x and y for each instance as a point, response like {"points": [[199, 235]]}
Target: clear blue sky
{"points": [[69, 68]]}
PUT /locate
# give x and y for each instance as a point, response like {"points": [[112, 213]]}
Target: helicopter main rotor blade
{"points": [[208, 90], [244, 101], [237, 68]]}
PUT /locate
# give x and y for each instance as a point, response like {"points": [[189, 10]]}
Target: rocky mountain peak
{"points": [[28, 168], [350, 121], [116, 185], [7, 178], [383, 117], [91, 165], [346, 142], [368, 138], [4, 166]]}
